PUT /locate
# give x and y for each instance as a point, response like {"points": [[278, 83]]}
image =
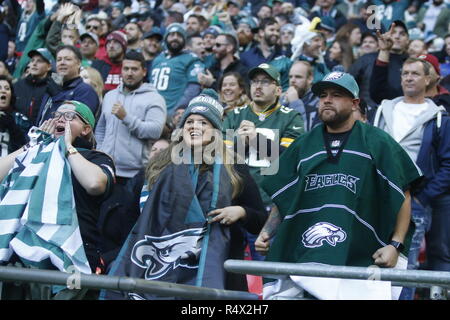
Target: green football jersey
{"points": [[279, 124], [171, 75], [283, 65]]}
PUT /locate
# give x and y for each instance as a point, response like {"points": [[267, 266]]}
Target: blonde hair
{"points": [[96, 81], [164, 158]]}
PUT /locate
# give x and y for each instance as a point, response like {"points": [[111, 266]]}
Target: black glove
{"points": [[6, 120]]}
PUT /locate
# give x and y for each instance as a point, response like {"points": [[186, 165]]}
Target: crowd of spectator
{"points": [[137, 65]]}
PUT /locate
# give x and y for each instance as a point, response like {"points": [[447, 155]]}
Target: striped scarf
{"points": [[38, 219]]}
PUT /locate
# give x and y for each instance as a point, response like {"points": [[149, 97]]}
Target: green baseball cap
{"points": [[83, 110], [337, 79], [44, 53], [267, 69]]}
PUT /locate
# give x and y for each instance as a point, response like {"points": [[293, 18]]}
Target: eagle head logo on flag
{"points": [[322, 232], [158, 255]]}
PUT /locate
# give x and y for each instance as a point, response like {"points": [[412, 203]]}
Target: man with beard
{"points": [[268, 47], [110, 68], [342, 196], [134, 35], [132, 114], [246, 30], [299, 95], [174, 72], [226, 61], [269, 51]]}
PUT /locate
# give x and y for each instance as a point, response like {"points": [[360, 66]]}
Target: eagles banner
{"points": [[38, 218], [172, 240], [339, 209]]}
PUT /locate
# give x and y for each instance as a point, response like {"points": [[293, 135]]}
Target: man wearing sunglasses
{"points": [[224, 50]]}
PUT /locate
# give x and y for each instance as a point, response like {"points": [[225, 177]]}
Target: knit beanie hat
{"points": [[120, 37], [206, 105], [176, 27]]}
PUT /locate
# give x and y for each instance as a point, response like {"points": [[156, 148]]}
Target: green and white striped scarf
{"points": [[38, 219]]}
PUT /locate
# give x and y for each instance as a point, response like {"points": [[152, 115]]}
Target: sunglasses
{"points": [[218, 45], [89, 27]]}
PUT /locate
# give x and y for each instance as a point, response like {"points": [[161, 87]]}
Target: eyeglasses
{"points": [[90, 26], [262, 82], [69, 115]]}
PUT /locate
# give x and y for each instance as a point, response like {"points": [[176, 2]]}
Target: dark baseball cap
{"points": [[154, 32], [400, 23], [337, 79], [267, 69], [44, 53]]}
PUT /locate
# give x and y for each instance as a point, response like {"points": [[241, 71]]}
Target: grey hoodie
{"points": [[126, 140], [413, 139]]}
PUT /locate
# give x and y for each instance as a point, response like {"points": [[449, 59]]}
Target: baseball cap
{"points": [[155, 31], [267, 69], [214, 30], [400, 23], [91, 35], [433, 61], [83, 110], [250, 22], [44, 53], [338, 79]]}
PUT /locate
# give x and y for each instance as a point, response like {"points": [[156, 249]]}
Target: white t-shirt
{"points": [[404, 117]]}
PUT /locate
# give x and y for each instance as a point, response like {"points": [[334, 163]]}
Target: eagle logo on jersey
{"points": [[158, 255], [322, 232]]}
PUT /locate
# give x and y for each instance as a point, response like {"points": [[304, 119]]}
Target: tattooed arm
{"points": [[262, 243]]}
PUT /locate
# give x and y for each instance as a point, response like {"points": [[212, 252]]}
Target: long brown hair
{"points": [[158, 163]]}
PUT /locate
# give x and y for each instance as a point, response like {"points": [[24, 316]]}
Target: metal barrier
{"points": [[91, 281], [413, 278]]}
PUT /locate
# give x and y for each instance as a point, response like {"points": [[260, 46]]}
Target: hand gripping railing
{"points": [[91, 281], [410, 278]]}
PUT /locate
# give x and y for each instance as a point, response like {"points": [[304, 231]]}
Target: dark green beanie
{"points": [[206, 105]]}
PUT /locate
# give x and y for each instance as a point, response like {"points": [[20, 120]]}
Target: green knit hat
{"points": [[83, 110], [207, 105]]}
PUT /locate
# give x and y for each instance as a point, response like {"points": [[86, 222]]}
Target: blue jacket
{"points": [[434, 160], [253, 57], [75, 89]]}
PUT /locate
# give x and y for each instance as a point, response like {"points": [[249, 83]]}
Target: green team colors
{"points": [[171, 75], [288, 121], [339, 210], [283, 65]]}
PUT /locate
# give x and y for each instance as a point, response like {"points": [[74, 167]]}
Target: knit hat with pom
{"points": [[206, 105]]}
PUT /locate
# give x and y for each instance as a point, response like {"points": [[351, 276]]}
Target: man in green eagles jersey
{"points": [[174, 72], [342, 195]]}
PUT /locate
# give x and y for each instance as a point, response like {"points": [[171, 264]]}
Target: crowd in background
{"points": [[137, 65]]}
